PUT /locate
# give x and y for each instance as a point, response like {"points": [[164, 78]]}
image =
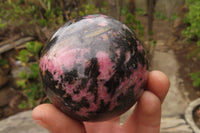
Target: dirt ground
{"points": [[170, 33]]}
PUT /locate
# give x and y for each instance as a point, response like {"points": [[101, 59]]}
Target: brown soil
{"points": [[170, 33], [187, 66]]}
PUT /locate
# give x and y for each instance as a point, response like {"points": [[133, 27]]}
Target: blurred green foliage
{"points": [[196, 78], [132, 22], [4, 63], [160, 15], [25, 15], [192, 18], [140, 11], [192, 33], [173, 17], [2, 24], [29, 81]]}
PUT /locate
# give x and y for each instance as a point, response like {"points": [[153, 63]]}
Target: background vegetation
{"points": [[192, 33]]}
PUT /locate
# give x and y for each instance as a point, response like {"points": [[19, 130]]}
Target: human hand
{"points": [[144, 119]]}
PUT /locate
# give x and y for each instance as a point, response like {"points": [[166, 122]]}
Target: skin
{"points": [[144, 119]]}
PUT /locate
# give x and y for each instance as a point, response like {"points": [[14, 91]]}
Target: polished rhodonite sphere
{"points": [[93, 68]]}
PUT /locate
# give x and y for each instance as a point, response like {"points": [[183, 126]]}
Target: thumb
{"points": [[49, 117]]}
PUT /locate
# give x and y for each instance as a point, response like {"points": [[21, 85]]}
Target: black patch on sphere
{"points": [[46, 47], [51, 43], [70, 76], [132, 63], [141, 58], [120, 97], [92, 71], [113, 83], [125, 101], [76, 91], [50, 83], [83, 84], [103, 108], [84, 103], [76, 105]]}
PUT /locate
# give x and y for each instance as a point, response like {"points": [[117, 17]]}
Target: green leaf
{"points": [[196, 78], [23, 75], [33, 88], [4, 63], [124, 10], [21, 83], [34, 71], [173, 17], [31, 103], [23, 105], [34, 47], [23, 56], [140, 11], [196, 83], [43, 22], [2, 25], [160, 15], [31, 91], [198, 43]]}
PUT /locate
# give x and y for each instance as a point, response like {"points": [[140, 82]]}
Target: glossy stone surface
{"points": [[93, 68]]}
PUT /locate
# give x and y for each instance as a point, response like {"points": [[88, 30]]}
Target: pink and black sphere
{"points": [[93, 68]]}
